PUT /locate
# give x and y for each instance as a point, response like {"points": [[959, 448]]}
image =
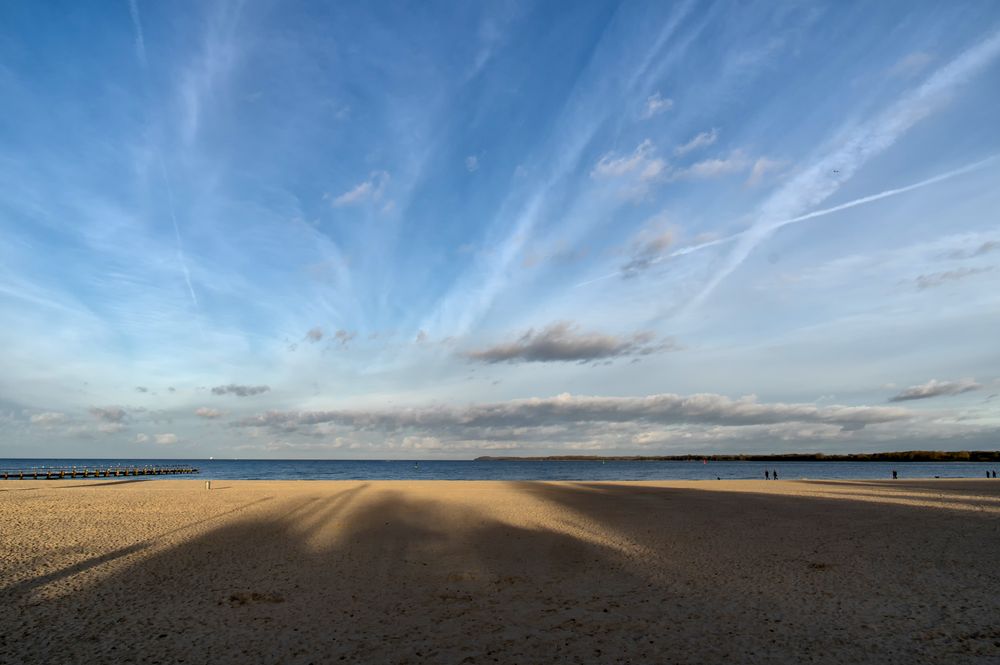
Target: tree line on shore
{"points": [[899, 456]]}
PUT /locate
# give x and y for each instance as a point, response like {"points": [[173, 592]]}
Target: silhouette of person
{"points": [[767, 476], [994, 473], [894, 474], [774, 474]]}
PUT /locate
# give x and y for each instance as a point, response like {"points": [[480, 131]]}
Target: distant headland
{"points": [[900, 456]]}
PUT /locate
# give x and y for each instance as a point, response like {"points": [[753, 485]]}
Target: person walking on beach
{"points": [[766, 475], [894, 474], [774, 474]]}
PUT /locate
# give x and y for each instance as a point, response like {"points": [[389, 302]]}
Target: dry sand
{"points": [[499, 572]]}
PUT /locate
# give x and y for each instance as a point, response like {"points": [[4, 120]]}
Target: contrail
{"points": [[140, 43], [886, 194], [140, 49], [177, 230], [859, 145], [767, 227], [816, 183]]}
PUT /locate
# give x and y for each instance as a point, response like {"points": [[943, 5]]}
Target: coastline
{"points": [[525, 571], [562, 470]]}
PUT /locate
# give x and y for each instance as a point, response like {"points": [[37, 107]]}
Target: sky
{"points": [[420, 230]]}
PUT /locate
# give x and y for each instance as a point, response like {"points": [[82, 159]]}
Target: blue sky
{"points": [[419, 230]]}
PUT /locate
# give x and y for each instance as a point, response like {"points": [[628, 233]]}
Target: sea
{"points": [[249, 469]]}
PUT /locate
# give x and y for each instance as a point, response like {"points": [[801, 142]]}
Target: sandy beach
{"points": [[165, 571]]}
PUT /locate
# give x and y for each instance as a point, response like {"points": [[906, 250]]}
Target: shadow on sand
{"points": [[607, 573]]}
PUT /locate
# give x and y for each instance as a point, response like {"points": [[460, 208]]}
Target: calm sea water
{"points": [[469, 470]]}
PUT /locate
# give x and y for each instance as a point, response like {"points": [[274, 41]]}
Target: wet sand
{"points": [[499, 572]]}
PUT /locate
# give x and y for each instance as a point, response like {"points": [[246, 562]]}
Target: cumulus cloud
{"points": [[935, 279], [561, 342], [656, 104], [715, 167], [369, 191], [702, 140], [48, 418], [345, 336], [210, 414], [165, 439], [935, 388], [979, 250], [642, 163], [643, 167], [141, 438], [239, 391], [314, 334], [500, 420], [646, 250], [109, 414]]}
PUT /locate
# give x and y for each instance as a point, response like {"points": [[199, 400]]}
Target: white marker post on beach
{"points": [[208, 484]]}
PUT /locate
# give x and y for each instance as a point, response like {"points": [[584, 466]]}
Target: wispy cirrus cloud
{"points": [[523, 210], [864, 200], [911, 64], [192, 99], [208, 413], [564, 342], [856, 145], [761, 168], [935, 388], [140, 41]]}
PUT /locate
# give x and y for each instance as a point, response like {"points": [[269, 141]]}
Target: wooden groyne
{"points": [[63, 472]]}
